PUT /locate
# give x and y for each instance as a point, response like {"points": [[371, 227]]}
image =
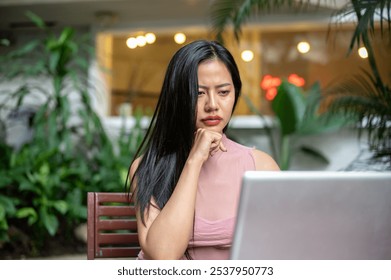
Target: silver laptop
{"points": [[326, 215]]}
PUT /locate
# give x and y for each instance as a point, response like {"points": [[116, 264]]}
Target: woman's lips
{"points": [[212, 121]]}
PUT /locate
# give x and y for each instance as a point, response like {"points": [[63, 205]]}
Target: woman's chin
{"points": [[217, 129]]}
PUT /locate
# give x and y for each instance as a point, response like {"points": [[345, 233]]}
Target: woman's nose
{"points": [[211, 103]]}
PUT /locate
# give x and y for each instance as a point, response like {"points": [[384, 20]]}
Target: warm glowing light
{"points": [[141, 41], [247, 55], [270, 84], [362, 52], [271, 93], [296, 80], [303, 47], [131, 43], [150, 38], [269, 81], [179, 38]]}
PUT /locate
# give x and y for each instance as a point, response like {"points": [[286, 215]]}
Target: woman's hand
{"points": [[206, 144]]}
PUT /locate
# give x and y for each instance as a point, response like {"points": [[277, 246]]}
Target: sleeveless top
{"points": [[217, 201]]}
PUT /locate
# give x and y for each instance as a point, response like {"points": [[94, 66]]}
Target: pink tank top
{"points": [[217, 201]]}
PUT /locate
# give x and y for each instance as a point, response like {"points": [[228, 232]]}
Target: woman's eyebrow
{"points": [[218, 86]]}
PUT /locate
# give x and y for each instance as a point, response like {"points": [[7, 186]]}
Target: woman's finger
{"points": [[215, 148], [222, 147]]}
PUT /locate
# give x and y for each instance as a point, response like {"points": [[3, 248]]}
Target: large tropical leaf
{"points": [[289, 107]]}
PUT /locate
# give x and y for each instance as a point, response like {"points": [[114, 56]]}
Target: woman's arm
{"points": [[167, 231]]}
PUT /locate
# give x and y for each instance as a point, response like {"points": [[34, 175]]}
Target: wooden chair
{"points": [[111, 226]]}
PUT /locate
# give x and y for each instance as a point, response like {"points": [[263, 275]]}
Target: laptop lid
{"points": [[313, 215]]}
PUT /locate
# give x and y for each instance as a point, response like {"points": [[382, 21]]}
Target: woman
{"points": [[187, 180]]}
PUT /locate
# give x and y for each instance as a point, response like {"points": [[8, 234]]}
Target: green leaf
{"points": [[33, 178], [53, 61], [66, 35], [44, 169], [27, 185], [38, 21], [27, 212], [289, 107], [61, 206], [4, 180], [315, 153], [323, 124], [315, 122], [314, 95], [76, 200], [3, 228], [2, 213], [50, 221], [7, 204], [221, 12], [51, 45], [5, 42], [25, 49], [83, 63], [81, 212]]}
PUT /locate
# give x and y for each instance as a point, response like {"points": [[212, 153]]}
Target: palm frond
{"points": [[222, 12], [236, 13], [364, 100], [253, 7], [367, 13]]}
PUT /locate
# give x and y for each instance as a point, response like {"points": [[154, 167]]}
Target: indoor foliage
{"points": [[44, 181]]}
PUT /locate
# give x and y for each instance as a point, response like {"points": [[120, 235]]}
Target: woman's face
{"points": [[216, 95]]}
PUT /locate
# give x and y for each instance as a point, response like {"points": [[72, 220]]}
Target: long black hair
{"points": [[170, 136]]}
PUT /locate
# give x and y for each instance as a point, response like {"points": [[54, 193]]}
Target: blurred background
{"points": [[80, 79]]}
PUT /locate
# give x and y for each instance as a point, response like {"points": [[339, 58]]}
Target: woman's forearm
{"points": [[169, 233]]}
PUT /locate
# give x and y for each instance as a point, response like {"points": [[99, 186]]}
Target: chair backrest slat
{"points": [[117, 224], [118, 252], [111, 226], [110, 238], [116, 211]]}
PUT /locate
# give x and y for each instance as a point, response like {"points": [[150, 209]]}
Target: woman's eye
{"points": [[200, 92], [224, 92]]}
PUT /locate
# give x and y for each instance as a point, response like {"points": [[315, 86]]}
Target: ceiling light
{"points": [[247, 55], [362, 52], [131, 43], [150, 38], [179, 38], [141, 41], [303, 47]]}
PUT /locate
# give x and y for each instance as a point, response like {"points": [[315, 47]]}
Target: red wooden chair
{"points": [[111, 226]]}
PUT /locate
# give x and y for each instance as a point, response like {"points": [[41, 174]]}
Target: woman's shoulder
{"points": [[230, 143], [134, 165], [264, 161]]}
